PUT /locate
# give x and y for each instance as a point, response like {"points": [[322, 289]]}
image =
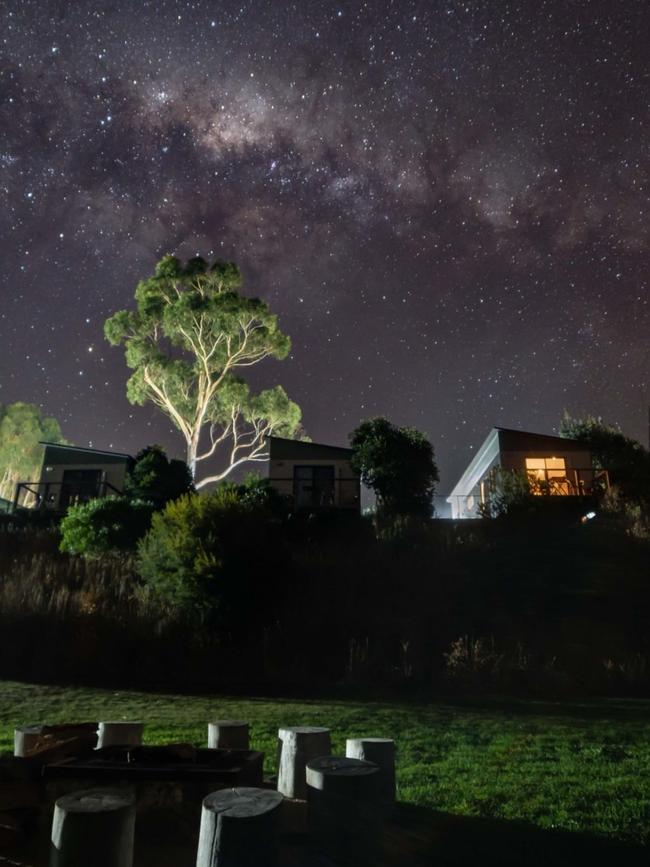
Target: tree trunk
{"points": [[93, 827], [380, 751], [26, 738], [239, 828], [119, 734], [344, 822], [297, 745], [228, 735]]}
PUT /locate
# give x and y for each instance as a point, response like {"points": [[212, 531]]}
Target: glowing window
{"points": [[551, 473], [545, 464]]}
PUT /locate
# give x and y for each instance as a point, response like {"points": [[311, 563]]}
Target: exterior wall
{"points": [[579, 460], [465, 498], [466, 505], [113, 476], [346, 482]]}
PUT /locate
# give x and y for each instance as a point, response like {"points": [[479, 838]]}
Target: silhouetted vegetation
{"points": [[537, 602], [625, 459], [156, 478], [398, 465]]}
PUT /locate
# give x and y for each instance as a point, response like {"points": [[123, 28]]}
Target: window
{"points": [[548, 476], [313, 487]]}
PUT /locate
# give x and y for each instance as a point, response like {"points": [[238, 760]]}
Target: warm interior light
{"points": [[549, 471]]}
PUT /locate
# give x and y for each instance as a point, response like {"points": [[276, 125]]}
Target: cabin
{"points": [[316, 477], [71, 475], [554, 466]]}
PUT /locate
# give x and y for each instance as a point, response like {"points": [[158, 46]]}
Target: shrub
{"points": [[209, 552], [258, 492], [157, 479], [105, 525]]}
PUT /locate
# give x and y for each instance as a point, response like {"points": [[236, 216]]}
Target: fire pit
{"points": [[173, 763]]}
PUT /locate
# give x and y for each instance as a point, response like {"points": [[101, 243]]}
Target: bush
{"points": [[157, 479], [105, 525], [209, 552], [258, 492]]}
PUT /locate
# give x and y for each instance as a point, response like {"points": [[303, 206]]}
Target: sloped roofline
{"points": [[303, 445], [84, 449], [478, 464]]}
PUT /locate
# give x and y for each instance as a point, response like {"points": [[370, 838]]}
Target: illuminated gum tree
{"points": [[187, 341]]}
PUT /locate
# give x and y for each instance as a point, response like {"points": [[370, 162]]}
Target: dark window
{"points": [[313, 487], [79, 486]]}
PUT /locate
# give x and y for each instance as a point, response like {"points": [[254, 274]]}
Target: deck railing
{"points": [[49, 495], [569, 482]]}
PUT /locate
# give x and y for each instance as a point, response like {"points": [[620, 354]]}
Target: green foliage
{"points": [[190, 333], [625, 459], [22, 426], [209, 552], [509, 493], [257, 492], [398, 464], [155, 478], [631, 516], [104, 526]]}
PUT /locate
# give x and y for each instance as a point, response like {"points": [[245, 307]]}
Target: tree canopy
{"points": [[188, 340], [625, 459], [22, 427], [398, 464], [157, 479]]}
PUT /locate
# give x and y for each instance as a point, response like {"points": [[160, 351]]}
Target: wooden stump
{"points": [[26, 738], [297, 746], [49, 742], [93, 827], [119, 734], [344, 822], [239, 828], [228, 734], [381, 751]]}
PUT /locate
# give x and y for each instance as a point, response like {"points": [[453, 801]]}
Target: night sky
{"points": [[446, 203]]}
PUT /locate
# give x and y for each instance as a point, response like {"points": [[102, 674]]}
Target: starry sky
{"points": [[445, 202]]}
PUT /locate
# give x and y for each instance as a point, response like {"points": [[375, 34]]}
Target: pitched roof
{"points": [[281, 449], [103, 453]]}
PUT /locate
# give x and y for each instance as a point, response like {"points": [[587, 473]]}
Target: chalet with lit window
{"points": [[316, 477], [553, 466], [71, 475]]}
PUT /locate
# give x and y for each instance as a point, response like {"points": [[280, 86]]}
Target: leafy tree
{"points": [[155, 478], [105, 525], [186, 342], [625, 459], [213, 552], [22, 426], [398, 464]]}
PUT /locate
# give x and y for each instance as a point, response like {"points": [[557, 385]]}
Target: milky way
{"points": [[446, 203]]}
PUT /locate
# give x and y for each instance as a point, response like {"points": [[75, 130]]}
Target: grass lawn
{"points": [[571, 766]]}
